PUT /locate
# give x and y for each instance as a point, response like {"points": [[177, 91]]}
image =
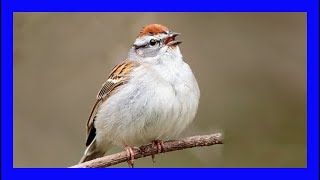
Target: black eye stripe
{"points": [[152, 42]]}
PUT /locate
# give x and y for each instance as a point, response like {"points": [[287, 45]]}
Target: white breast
{"points": [[158, 102]]}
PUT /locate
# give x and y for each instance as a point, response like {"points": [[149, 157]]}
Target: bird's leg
{"points": [[160, 148], [130, 156]]}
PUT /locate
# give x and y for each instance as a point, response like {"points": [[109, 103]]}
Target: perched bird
{"points": [[150, 97]]}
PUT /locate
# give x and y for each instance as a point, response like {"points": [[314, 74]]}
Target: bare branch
{"points": [[174, 145]]}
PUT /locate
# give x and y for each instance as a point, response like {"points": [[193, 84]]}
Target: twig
{"points": [[174, 145]]}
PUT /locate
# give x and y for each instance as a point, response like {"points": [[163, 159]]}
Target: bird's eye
{"points": [[153, 42]]}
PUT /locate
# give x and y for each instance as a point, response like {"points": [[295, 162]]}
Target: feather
{"points": [[118, 76]]}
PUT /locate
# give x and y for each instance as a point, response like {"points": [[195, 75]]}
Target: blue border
{"points": [[311, 7]]}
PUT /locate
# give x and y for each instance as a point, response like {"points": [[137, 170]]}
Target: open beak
{"points": [[170, 41]]}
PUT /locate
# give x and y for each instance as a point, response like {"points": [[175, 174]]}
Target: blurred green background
{"points": [[251, 69]]}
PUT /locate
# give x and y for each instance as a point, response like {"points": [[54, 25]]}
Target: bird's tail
{"points": [[93, 152]]}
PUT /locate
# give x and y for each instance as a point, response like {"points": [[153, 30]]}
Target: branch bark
{"points": [[173, 145]]}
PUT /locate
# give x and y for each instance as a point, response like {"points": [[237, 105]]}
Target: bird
{"points": [[149, 97]]}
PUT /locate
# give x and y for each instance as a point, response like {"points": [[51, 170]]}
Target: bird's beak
{"points": [[170, 41]]}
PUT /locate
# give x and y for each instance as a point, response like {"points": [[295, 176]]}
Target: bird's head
{"points": [[153, 41]]}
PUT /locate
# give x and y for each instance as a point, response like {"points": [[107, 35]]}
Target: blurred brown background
{"points": [[251, 69]]}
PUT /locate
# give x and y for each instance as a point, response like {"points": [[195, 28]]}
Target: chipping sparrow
{"points": [[149, 97]]}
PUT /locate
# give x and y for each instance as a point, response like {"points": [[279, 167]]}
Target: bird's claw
{"points": [[160, 148], [130, 156]]}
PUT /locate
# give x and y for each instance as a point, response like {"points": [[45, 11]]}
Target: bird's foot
{"points": [[130, 156], [160, 148]]}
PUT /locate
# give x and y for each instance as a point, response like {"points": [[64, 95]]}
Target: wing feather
{"points": [[118, 76]]}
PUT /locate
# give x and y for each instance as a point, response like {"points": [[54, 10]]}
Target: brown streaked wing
{"points": [[119, 75]]}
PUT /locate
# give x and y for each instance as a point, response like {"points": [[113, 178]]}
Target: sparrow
{"points": [[149, 97]]}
